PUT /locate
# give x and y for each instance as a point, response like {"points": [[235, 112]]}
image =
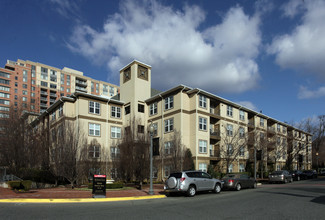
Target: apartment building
{"points": [[218, 132], [35, 86]]}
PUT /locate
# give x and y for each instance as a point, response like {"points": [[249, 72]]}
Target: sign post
{"points": [[99, 186]]}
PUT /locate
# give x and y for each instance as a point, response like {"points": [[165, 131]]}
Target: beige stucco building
{"points": [[218, 132]]}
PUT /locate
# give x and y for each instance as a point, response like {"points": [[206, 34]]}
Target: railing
{"points": [[215, 133], [10, 177], [214, 153]]}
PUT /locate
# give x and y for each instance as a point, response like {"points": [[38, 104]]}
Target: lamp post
{"points": [[151, 129], [317, 160]]}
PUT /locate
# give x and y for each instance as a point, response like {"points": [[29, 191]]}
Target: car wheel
{"points": [[298, 178], [291, 180], [255, 185], [238, 187], [285, 180], [191, 191], [217, 188]]}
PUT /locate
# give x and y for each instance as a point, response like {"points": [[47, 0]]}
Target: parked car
{"points": [[280, 176], [310, 174], [238, 181], [297, 175], [190, 182], [322, 172]]}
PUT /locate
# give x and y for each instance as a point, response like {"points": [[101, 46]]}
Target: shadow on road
{"points": [[319, 200]]}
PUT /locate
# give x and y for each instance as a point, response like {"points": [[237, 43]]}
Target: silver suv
{"points": [[190, 182]]}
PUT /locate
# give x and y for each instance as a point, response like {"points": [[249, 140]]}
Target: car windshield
{"points": [[276, 173], [176, 175], [230, 176]]}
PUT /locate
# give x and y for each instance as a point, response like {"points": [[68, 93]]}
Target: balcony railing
{"points": [[214, 153], [215, 134]]}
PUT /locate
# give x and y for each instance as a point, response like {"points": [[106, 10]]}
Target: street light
{"points": [[151, 130]]}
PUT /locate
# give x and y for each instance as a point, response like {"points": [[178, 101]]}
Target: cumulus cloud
{"points": [[248, 105], [219, 58], [305, 93], [303, 49]]}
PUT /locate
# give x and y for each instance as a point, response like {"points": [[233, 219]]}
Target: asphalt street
{"points": [[298, 200]]}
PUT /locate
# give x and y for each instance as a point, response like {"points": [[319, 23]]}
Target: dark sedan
{"points": [[238, 181], [280, 176], [310, 174], [297, 175]]}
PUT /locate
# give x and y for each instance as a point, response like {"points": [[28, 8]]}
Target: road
{"points": [[298, 200]]}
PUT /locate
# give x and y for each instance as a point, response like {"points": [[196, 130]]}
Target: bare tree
{"points": [[133, 161], [20, 145], [68, 151], [174, 152], [234, 142]]}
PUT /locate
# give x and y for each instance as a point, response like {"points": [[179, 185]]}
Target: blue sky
{"points": [[267, 55]]}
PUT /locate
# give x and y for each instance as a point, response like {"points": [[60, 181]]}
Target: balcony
{"points": [[215, 134], [215, 111], [43, 93], [81, 89], [43, 99], [53, 95], [251, 123], [270, 130], [42, 105], [81, 83], [214, 153]]}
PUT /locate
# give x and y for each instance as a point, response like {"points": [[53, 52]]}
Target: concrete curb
{"points": [[81, 200]]}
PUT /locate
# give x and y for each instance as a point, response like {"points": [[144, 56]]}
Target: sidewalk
{"points": [[62, 194]]}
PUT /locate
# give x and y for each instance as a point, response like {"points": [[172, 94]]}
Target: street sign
{"points": [[99, 186]]}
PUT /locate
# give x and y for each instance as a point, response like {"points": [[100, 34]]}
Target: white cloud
{"points": [[303, 49], [66, 8], [219, 58], [248, 105], [305, 93]]}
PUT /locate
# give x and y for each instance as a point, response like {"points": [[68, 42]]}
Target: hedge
{"points": [[20, 185]]}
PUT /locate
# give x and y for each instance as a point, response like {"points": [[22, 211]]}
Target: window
{"points": [[155, 129], [169, 102], [94, 129], [127, 110], [25, 76], [202, 101], [94, 107], [154, 108], [241, 132], [53, 86], [68, 80], [230, 168], [60, 110], [4, 109], [24, 99], [16, 84], [25, 92], [278, 127], [262, 136], [92, 87], [5, 75], [203, 146], [5, 102], [140, 108], [278, 167], [5, 95], [33, 94], [169, 125], [25, 86], [33, 71], [115, 152], [202, 123], [241, 168], [278, 140], [97, 88], [229, 130], [115, 132], [43, 83], [140, 129], [229, 110], [242, 115], [168, 147], [68, 90], [111, 91], [4, 88], [116, 112], [242, 151], [16, 97], [94, 151], [105, 89], [230, 149], [33, 88], [61, 88], [262, 122], [16, 90], [53, 116], [203, 167], [62, 78]]}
